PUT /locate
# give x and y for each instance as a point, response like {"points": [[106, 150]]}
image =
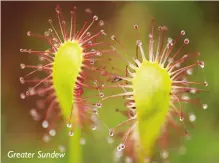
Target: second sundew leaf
{"points": [[66, 68], [151, 87]]}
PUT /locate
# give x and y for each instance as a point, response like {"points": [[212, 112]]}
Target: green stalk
{"points": [[75, 152]]}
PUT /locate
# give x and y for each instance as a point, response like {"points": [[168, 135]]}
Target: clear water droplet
{"points": [[189, 71], [88, 34], [101, 23], [95, 111], [46, 138], [185, 97], [192, 117], [102, 32], [71, 133], [164, 154], [88, 10], [22, 96], [28, 33], [69, 125], [98, 53], [183, 32], [52, 132], [139, 43], [46, 33], [101, 94], [119, 148], [50, 30], [22, 66], [89, 42], [113, 37], [21, 80], [99, 105], [92, 61], [95, 18], [186, 41], [193, 91], [93, 51], [170, 40], [204, 106], [135, 26], [50, 20], [122, 146], [111, 132], [45, 124], [206, 83], [94, 127], [62, 148], [201, 64]]}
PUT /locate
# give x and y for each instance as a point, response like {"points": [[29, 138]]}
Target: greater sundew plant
{"points": [[155, 87], [64, 72]]}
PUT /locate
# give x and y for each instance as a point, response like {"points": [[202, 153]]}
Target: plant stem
{"points": [[75, 152]]}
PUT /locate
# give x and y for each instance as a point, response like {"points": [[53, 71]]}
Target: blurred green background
{"points": [[200, 20]]}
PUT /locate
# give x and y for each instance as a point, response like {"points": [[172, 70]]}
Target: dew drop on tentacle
{"points": [[189, 71], [205, 83], [99, 105], [201, 64], [46, 138], [88, 34], [95, 18], [52, 132], [21, 80], [69, 125], [29, 33], [92, 61], [135, 26], [119, 148], [71, 133], [45, 124], [186, 41], [62, 148], [164, 154], [88, 10], [46, 33], [22, 66], [94, 127], [204, 106], [95, 111], [89, 42], [22, 96], [111, 132], [101, 94], [99, 53], [192, 117], [122, 146], [101, 23], [35, 115], [113, 37], [183, 32]]}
